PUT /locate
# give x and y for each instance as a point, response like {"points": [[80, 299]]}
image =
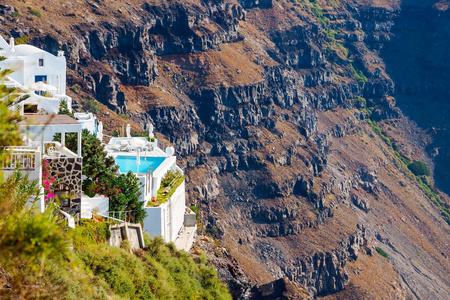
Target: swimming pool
{"points": [[128, 163]]}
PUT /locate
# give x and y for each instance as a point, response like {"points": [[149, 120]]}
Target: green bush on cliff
{"points": [[159, 271], [382, 252], [419, 168]]}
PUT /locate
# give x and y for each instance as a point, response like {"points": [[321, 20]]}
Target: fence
{"points": [[121, 216], [22, 158]]}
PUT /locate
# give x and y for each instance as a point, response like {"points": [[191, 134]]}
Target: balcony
{"points": [[24, 158]]}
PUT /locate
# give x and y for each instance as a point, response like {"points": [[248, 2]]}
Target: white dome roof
{"points": [[26, 50]]}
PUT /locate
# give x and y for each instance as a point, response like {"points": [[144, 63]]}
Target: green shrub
{"points": [[76, 88], [162, 272], [96, 162], [123, 192], [125, 116], [92, 105], [125, 245], [90, 232], [21, 40], [419, 168], [64, 109], [171, 181], [35, 12], [358, 75], [381, 252], [168, 178]]}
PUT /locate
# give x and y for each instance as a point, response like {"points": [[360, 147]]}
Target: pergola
{"points": [[44, 127]]}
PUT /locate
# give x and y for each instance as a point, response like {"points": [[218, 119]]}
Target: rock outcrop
{"points": [[267, 104]]}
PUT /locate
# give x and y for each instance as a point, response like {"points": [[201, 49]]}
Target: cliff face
{"points": [[421, 74], [267, 103]]}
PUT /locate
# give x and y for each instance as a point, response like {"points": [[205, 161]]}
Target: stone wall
{"points": [[68, 170]]}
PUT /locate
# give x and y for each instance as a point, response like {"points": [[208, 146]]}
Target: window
{"points": [[30, 108], [41, 62], [42, 78]]}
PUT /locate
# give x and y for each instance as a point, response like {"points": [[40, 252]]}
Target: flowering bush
{"points": [[47, 181], [123, 192]]}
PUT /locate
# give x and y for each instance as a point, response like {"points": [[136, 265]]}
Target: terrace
{"points": [[65, 165], [162, 181], [149, 162]]}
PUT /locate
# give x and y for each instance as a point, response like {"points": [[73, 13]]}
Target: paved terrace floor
{"points": [[185, 240]]}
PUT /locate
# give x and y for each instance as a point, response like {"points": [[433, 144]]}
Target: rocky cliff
{"points": [[284, 114]]}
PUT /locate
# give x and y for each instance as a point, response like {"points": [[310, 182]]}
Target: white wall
{"points": [[143, 189], [178, 205], [87, 121], [53, 67], [3, 44], [17, 65], [167, 219], [98, 202], [153, 221], [26, 66], [49, 105]]}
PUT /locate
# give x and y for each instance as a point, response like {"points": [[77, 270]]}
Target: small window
{"points": [[42, 78], [41, 62], [30, 108]]}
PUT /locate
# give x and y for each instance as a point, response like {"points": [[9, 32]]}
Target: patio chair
{"points": [[52, 152]]}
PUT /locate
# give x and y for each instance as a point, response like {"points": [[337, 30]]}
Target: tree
{"points": [[64, 110], [96, 162], [123, 192]]}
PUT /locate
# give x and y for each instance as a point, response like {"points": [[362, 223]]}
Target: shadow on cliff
{"points": [[417, 59]]}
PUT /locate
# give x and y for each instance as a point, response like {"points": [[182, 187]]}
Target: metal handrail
{"points": [[126, 214]]}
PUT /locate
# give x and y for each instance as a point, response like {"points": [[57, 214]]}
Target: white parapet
{"points": [[98, 203], [166, 220]]}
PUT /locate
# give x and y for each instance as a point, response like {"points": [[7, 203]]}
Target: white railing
{"points": [[60, 150], [149, 181], [111, 218], [23, 158], [121, 216], [69, 218]]}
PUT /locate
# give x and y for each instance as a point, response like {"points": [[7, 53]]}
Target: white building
{"points": [[37, 73], [88, 121]]}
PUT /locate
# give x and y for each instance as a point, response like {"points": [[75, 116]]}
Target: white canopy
{"points": [[128, 130], [41, 86], [100, 131], [137, 142], [11, 45]]}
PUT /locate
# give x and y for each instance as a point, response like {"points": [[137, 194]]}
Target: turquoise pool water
{"points": [[128, 163]]}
